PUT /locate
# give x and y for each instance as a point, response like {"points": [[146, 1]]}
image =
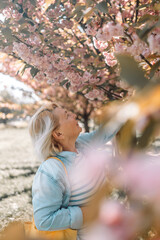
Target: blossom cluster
{"points": [[61, 49]]}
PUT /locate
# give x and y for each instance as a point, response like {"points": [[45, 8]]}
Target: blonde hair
{"points": [[41, 126]]}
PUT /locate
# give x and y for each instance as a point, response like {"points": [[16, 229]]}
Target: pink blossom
{"points": [[86, 76], [115, 29], [17, 16], [103, 35], [54, 13], [100, 44], [67, 24], [93, 80], [34, 40], [109, 30], [91, 30], [8, 49], [74, 78], [120, 48], [95, 93], [79, 51], [154, 43], [40, 76], [110, 59], [75, 88], [127, 13], [53, 57], [7, 12], [23, 51], [137, 47], [62, 64]]}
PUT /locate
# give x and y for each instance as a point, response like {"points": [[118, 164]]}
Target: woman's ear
{"points": [[57, 135]]}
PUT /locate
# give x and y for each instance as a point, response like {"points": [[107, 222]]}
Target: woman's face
{"points": [[69, 126]]}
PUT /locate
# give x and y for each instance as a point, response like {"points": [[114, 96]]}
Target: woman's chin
{"points": [[80, 129]]}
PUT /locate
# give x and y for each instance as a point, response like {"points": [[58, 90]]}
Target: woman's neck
{"points": [[69, 145], [70, 149]]}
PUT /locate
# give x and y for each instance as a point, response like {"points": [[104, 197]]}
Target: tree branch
{"points": [[146, 60], [137, 5], [109, 93]]}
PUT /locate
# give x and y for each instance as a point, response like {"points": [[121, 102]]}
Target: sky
{"points": [[19, 92]]}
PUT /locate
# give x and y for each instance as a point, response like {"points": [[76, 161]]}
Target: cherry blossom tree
{"points": [[57, 53], [73, 42], [75, 102]]}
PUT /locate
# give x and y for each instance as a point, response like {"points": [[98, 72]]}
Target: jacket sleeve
{"points": [[49, 214], [98, 137]]}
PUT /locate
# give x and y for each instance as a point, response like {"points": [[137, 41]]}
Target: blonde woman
{"points": [[57, 203]]}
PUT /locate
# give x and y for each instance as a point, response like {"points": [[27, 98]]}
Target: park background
{"points": [[101, 60]]}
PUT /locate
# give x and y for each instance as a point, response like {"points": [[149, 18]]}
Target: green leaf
{"points": [[34, 71], [57, 2], [89, 2], [78, 11], [102, 6], [154, 69], [63, 82], [157, 24], [87, 56], [26, 20], [26, 32], [74, 2], [131, 72], [22, 21], [79, 15], [147, 17], [76, 61], [7, 33], [33, 2], [143, 34], [89, 21], [143, 6], [3, 4], [68, 85]]}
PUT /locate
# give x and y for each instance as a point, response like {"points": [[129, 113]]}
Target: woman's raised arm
{"points": [[98, 137]]}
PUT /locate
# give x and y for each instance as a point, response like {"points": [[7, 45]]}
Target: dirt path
{"points": [[17, 168]]}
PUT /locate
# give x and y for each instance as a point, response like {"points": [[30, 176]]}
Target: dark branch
{"points": [[145, 60], [137, 5]]}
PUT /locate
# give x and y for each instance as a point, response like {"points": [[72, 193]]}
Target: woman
{"points": [[59, 203]]}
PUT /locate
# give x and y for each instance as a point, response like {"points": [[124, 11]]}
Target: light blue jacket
{"points": [[51, 190]]}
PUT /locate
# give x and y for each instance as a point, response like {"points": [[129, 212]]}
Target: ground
{"points": [[17, 168]]}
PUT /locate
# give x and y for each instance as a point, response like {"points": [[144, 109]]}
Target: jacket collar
{"points": [[67, 157]]}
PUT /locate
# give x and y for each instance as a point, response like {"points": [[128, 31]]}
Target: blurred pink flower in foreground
{"points": [[141, 177], [121, 222], [115, 222]]}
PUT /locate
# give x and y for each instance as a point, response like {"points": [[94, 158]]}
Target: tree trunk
{"points": [[86, 122]]}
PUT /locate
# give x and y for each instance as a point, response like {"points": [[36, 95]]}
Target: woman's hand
{"points": [[89, 214]]}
